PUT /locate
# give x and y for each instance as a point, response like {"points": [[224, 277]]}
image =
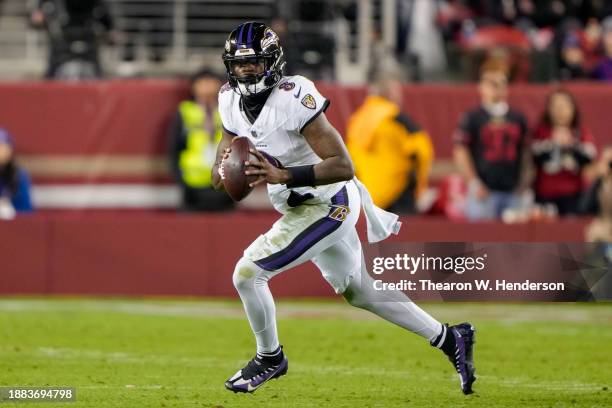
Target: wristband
{"points": [[302, 176]]}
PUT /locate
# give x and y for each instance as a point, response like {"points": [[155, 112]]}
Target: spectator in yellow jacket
{"points": [[391, 153]]}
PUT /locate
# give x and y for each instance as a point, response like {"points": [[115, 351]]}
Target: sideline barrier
{"points": [[194, 255]]}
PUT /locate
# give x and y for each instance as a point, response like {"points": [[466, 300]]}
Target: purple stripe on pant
{"points": [[306, 239]]}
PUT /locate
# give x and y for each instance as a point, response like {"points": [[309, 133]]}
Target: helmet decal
{"points": [[268, 39]]}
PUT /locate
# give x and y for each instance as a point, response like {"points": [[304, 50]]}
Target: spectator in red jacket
{"points": [[561, 148]]}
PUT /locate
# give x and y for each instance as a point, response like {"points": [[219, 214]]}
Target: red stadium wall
{"points": [[169, 254], [54, 121]]}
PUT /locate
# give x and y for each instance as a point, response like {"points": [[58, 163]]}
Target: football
{"points": [[236, 183]]}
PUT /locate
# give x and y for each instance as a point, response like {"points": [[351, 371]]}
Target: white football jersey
{"points": [[293, 103]]}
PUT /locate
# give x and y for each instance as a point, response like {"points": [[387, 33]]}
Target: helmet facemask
{"points": [[253, 84]]}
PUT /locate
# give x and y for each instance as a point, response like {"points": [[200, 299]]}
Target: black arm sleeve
{"points": [[540, 158], [464, 133], [580, 156]]}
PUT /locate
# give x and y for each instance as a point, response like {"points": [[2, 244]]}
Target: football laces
{"points": [[220, 170]]}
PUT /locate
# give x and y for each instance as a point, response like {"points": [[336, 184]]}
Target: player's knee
{"points": [[360, 303], [354, 299], [245, 274]]}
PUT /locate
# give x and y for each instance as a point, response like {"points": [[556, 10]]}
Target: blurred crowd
{"points": [[539, 40], [505, 170], [516, 173]]}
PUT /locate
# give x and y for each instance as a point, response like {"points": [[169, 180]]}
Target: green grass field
{"points": [[169, 353]]}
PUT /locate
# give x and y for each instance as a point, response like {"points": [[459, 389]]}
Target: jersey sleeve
{"points": [[308, 103], [463, 133], [225, 105]]}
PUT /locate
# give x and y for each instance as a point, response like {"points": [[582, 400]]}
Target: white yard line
{"points": [[122, 357], [526, 382]]}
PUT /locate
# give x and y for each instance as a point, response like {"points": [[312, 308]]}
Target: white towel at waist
{"points": [[380, 223]]}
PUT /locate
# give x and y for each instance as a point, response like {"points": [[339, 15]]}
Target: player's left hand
{"points": [[266, 171]]}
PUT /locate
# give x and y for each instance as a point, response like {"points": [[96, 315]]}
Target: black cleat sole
{"points": [[469, 360]]}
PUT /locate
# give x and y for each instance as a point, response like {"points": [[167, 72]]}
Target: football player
{"points": [[311, 182]]}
